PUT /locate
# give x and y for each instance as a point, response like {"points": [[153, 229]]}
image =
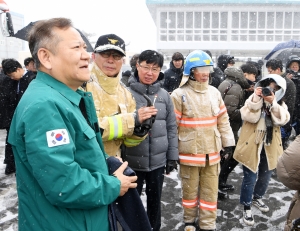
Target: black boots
{"points": [[226, 187], [10, 168]]}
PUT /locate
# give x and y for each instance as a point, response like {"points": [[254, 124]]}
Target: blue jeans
{"points": [[255, 184]]}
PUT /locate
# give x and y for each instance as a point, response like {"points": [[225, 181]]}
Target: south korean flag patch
{"points": [[57, 137]]}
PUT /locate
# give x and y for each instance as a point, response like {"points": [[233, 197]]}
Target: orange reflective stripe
{"points": [[189, 203], [223, 109], [199, 158], [205, 205], [178, 114], [192, 158], [198, 122]]}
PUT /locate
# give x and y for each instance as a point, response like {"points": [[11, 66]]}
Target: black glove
{"points": [[170, 166], [227, 153]]}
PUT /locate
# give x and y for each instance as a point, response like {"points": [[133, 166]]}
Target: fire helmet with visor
{"points": [[200, 60]]}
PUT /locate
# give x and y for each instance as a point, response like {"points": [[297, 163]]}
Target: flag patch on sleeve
{"points": [[57, 137]]}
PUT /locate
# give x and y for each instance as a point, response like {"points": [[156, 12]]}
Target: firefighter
{"points": [[118, 118], [203, 129]]}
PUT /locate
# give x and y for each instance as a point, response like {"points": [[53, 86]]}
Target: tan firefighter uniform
{"points": [[203, 129], [115, 108]]}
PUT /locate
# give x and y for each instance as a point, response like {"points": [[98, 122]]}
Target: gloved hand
{"points": [[170, 166], [227, 153]]}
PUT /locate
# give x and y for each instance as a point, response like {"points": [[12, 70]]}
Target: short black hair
{"points": [[177, 56], [274, 64], [28, 60], [133, 60], [10, 65], [208, 52], [249, 68], [151, 56]]}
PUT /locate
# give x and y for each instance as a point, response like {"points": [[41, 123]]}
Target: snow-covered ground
{"points": [[278, 198]]}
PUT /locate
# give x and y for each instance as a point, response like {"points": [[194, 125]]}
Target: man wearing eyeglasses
{"points": [[119, 120]]}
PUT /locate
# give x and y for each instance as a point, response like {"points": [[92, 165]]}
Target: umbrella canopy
{"points": [[290, 44], [23, 33], [284, 54]]}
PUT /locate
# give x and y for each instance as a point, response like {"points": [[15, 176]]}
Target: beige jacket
{"points": [[203, 123], [247, 152], [115, 109], [288, 172]]}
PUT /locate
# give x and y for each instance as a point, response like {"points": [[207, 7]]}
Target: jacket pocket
{"points": [[218, 140], [89, 133], [187, 143]]}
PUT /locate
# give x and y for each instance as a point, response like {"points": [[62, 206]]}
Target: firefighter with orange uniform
{"points": [[203, 130]]}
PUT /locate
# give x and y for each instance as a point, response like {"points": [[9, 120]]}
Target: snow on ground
{"points": [[229, 210]]}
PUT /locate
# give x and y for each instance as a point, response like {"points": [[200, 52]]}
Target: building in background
{"points": [[10, 46], [248, 29]]}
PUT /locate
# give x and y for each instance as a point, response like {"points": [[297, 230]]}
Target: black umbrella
{"points": [[289, 44], [23, 33], [284, 54]]}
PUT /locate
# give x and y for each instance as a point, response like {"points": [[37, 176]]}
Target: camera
{"points": [[267, 91], [294, 73]]}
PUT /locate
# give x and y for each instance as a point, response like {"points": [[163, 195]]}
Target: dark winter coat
{"points": [[217, 77], [288, 171], [223, 61], [128, 209], [233, 93], [161, 144], [289, 98], [173, 77], [296, 80], [4, 100], [12, 93]]}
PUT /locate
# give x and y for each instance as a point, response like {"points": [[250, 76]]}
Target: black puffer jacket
{"points": [[173, 77], [223, 61], [161, 143], [217, 77], [233, 93]]}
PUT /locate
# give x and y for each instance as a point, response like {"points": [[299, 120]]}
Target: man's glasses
{"points": [[107, 54], [154, 70]]}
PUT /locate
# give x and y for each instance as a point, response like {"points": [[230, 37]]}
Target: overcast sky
{"points": [[130, 19]]}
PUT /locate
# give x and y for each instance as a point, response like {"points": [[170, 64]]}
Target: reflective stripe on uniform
{"points": [[115, 127], [199, 158], [132, 142], [205, 205], [189, 203], [178, 114], [223, 109], [198, 122]]}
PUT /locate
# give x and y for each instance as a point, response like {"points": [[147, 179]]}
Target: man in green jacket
{"points": [[62, 175]]}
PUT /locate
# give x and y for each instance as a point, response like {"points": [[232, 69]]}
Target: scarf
{"points": [[264, 129]]}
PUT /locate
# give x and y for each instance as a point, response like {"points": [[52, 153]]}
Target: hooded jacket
{"points": [[247, 151], [203, 123], [172, 77], [161, 144], [223, 61], [115, 108], [233, 93], [288, 172]]}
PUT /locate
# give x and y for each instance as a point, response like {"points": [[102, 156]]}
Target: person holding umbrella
{"points": [[275, 66]]}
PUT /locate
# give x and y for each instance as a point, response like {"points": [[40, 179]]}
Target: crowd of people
{"points": [[84, 141]]}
